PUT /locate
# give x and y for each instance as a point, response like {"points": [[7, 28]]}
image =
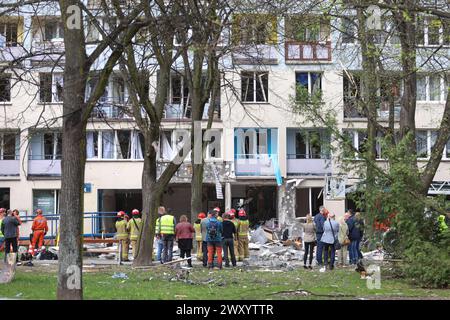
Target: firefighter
{"points": [[198, 234], [40, 229], [122, 235], [218, 214], [134, 227], [235, 221], [243, 228]]}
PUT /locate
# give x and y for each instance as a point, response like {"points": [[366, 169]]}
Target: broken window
{"points": [[255, 29], [45, 87], [166, 145], [46, 146], [308, 83], [92, 145], [431, 88], [118, 90], [53, 30], [9, 146], [5, 87], [349, 32], [124, 144], [108, 138], [179, 90], [434, 26], [435, 87], [422, 143], [9, 32], [312, 144], [254, 86], [307, 29]]}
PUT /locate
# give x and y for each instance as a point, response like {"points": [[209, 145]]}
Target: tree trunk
{"points": [[151, 195], [72, 164]]}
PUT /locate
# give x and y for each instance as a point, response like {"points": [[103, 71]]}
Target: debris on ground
{"points": [[119, 275]]}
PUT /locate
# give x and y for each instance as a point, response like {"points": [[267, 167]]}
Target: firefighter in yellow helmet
{"points": [[242, 232], [134, 226], [122, 235], [198, 234]]}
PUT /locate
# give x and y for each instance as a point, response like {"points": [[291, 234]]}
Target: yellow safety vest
{"points": [[121, 227], [219, 219], [1, 234], [243, 228], [134, 225], [167, 225], [198, 231], [236, 223]]}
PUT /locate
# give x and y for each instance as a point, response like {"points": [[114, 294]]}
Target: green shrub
{"points": [[428, 264]]}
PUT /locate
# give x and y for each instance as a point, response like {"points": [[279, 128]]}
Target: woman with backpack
{"points": [[183, 233]]}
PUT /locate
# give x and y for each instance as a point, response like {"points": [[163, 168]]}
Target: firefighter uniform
{"points": [[134, 226], [198, 239], [122, 236], [243, 239], [235, 241], [39, 228]]}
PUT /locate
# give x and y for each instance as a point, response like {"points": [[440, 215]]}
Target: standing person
{"points": [[2, 238], [229, 234], [236, 225], [350, 222], [242, 232], [40, 229], [183, 234], [214, 231], [330, 235], [218, 214], [167, 231], [319, 220], [9, 229], [122, 236], [359, 230], [203, 224], [134, 226], [309, 239], [198, 234], [159, 241], [343, 240]]}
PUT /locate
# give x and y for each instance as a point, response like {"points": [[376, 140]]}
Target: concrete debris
{"points": [[376, 255], [119, 275]]}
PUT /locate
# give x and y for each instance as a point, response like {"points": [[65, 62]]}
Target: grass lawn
{"points": [[228, 284]]}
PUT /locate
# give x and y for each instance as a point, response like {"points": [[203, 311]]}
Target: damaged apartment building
{"points": [[269, 160]]}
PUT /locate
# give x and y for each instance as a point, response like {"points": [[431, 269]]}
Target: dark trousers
{"points": [[329, 248], [228, 244], [309, 249], [185, 246], [8, 243], [205, 253], [167, 248], [319, 254]]}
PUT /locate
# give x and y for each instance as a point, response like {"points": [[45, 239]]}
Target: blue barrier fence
{"points": [[95, 222]]}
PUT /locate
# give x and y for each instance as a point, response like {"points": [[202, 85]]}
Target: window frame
{"points": [[255, 78]]}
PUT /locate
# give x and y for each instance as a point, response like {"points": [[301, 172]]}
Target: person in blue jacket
{"points": [[319, 220]]}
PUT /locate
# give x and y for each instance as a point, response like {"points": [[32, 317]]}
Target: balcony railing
{"points": [[179, 111], [305, 164], [111, 110], [307, 51], [9, 167], [351, 110], [254, 165], [50, 46], [44, 167]]}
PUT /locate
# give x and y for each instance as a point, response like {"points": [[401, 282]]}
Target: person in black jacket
{"points": [[355, 232], [229, 235], [9, 230]]}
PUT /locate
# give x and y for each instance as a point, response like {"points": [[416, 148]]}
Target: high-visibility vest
{"points": [[167, 224], [198, 231], [236, 223], [134, 225], [121, 227], [219, 219], [243, 228], [442, 225], [1, 234]]}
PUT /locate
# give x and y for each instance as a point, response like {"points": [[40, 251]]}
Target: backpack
{"points": [[212, 229]]}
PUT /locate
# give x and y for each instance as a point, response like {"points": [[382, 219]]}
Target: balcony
{"points": [[254, 165], [298, 164], [9, 168], [353, 111], [111, 110], [179, 112], [296, 51], [256, 54], [37, 166]]}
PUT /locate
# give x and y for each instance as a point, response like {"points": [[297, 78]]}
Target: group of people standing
{"points": [[217, 235], [330, 235], [9, 231]]}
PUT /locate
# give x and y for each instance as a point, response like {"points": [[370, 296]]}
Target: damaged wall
{"points": [[286, 203]]}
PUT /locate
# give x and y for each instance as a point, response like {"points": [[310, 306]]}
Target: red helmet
{"points": [[242, 213], [201, 215], [233, 210], [121, 214], [135, 212], [217, 209], [231, 214]]}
